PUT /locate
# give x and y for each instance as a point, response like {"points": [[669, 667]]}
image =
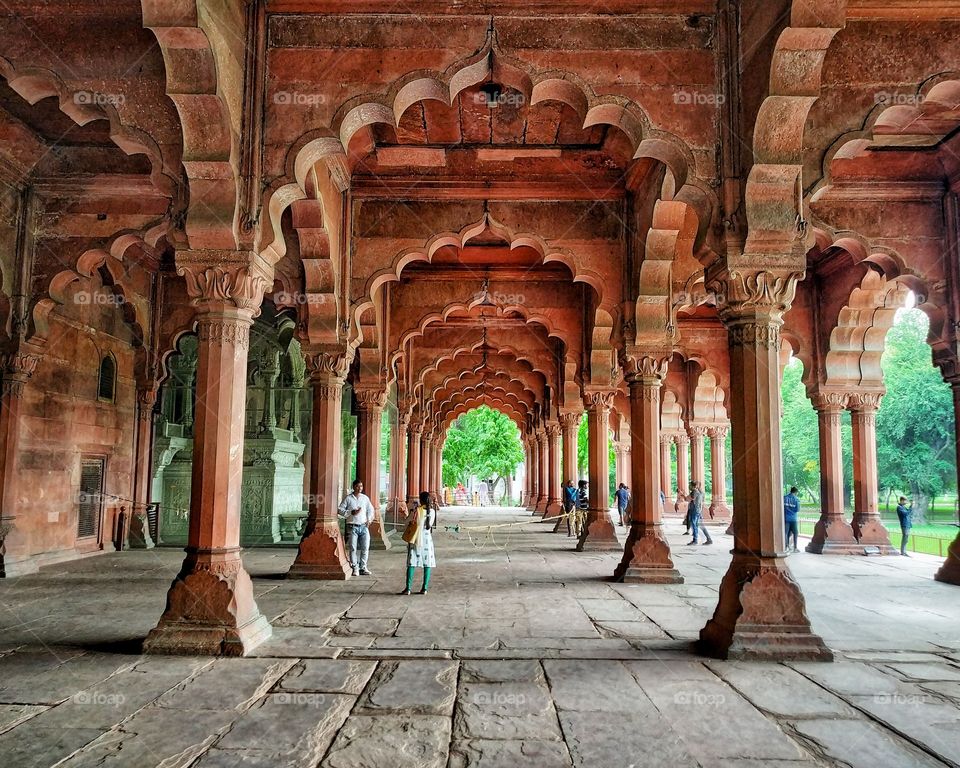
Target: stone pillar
{"points": [[321, 554], [348, 442], [866, 524], [413, 463], [525, 499], [832, 533], [139, 536], [15, 555], [436, 471], [718, 473], [646, 554], [534, 473], [554, 506], [683, 474], [425, 443], [761, 613], [569, 427], [949, 572], [398, 468], [210, 605], [698, 471], [370, 403], [543, 466], [598, 533], [665, 442]]}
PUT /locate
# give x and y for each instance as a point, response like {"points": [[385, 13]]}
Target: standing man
{"points": [[623, 498], [569, 505], [358, 512], [791, 516], [695, 511], [905, 514], [583, 504]]}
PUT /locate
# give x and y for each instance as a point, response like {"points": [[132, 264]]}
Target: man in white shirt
{"points": [[358, 512]]}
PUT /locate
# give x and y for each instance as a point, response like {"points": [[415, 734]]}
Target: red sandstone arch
{"points": [[472, 348], [35, 84]]}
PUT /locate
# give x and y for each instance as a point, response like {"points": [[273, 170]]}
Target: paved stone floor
{"points": [[523, 654]]}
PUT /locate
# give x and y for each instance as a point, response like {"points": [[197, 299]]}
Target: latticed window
{"points": [[90, 498], [107, 385]]}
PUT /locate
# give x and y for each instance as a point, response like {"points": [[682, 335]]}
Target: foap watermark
{"points": [[698, 98], [699, 698], [496, 297], [298, 98], [98, 99], [296, 298], [903, 699], [498, 699], [492, 97], [98, 299], [299, 698], [891, 99], [99, 699]]}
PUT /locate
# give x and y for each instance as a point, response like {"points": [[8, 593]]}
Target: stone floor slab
{"points": [[862, 745], [505, 710], [479, 753], [417, 686], [404, 741]]}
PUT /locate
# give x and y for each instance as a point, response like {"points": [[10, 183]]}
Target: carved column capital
{"points": [[681, 440], [830, 401], [666, 440], [553, 431], [598, 399], [370, 399], [17, 367], [648, 366], [758, 295], [719, 432], [218, 279], [416, 427], [570, 419], [697, 430], [327, 364], [864, 402]]}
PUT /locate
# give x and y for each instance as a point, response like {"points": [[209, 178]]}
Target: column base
{"points": [[833, 535], [138, 537], [379, 535], [719, 511], [11, 569], [598, 534], [540, 507], [761, 615], [729, 531], [949, 572], [554, 508], [210, 609], [646, 558], [871, 533], [321, 555], [14, 560]]}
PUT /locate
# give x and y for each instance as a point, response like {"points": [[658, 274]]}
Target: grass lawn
{"points": [[929, 539]]}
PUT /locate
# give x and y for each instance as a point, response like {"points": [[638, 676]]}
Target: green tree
{"points": [[799, 434], [483, 443], [915, 436]]}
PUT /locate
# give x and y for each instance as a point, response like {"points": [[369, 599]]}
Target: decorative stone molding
{"points": [[719, 433], [666, 439], [224, 277], [553, 431], [682, 440], [570, 420], [328, 363], [641, 366], [864, 402], [760, 295], [17, 368], [598, 399], [221, 331], [830, 401], [760, 334], [697, 430]]}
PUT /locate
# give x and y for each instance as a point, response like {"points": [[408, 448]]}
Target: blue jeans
{"points": [[358, 536], [696, 523]]}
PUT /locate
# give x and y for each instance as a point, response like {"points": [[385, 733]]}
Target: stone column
{"points": [[321, 554], [436, 470], [534, 473], [598, 533], [413, 463], [525, 500], [698, 472], [866, 524], [398, 468], [15, 555], [210, 605], [665, 442], [832, 533], [718, 473], [425, 443], [646, 554], [139, 536], [683, 473], [949, 572], [348, 442], [543, 465], [554, 507], [761, 612], [370, 403]]}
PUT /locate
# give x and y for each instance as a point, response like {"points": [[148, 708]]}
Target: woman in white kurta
{"points": [[420, 552]]}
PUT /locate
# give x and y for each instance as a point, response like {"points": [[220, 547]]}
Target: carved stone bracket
{"points": [[697, 430], [827, 401], [719, 433], [570, 419], [553, 431], [598, 398], [371, 399], [17, 367], [760, 294], [645, 365], [864, 402], [328, 363]]}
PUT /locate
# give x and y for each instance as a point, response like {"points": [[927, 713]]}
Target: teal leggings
{"points": [[426, 577]]}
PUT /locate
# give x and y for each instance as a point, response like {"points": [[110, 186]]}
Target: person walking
{"points": [[358, 513], [583, 504], [905, 515], [623, 498], [791, 516], [569, 506], [695, 512], [419, 537]]}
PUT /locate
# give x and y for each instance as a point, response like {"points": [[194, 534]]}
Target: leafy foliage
{"points": [[483, 443]]}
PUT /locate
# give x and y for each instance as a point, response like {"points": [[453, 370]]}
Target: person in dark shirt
{"points": [[623, 498], [905, 515], [791, 516], [583, 504]]}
